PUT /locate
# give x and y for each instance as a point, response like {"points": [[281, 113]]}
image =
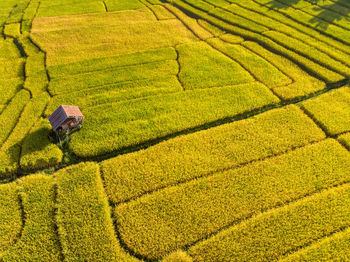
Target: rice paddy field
{"points": [[215, 130]]}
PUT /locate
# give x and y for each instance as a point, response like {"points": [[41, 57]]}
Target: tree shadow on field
{"points": [[332, 12]]}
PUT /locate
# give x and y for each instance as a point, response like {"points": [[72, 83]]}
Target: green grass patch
{"points": [[37, 151], [227, 146], [39, 240], [331, 110], [138, 121], [201, 66], [172, 218], [271, 235], [11, 216], [84, 223], [120, 74]]}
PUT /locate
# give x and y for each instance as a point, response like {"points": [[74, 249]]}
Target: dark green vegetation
{"points": [[215, 130]]}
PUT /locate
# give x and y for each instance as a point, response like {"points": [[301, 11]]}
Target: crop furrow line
{"points": [[56, 229], [105, 6], [147, 5], [205, 126], [271, 39], [178, 73], [23, 12], [286, 24], [7, 137], [214, 172], [109, 69], [288, 34], [266, 46], [321, 18], [313, 118], [123, 245], [326, 8], [304, 24], [45, 65], [247, 70], [178, 18], [268, 210], [296, 249], [23, 219], [273, 64]]}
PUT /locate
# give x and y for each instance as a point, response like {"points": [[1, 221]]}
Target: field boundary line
{"points": [[269, 210], [55, 218], [152, 142], [312, 242], [304, 24], [269, 38], [290, 35], [266, 46], [217, 171]]}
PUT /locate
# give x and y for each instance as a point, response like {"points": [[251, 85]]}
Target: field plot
{"points": [[214, 130]]}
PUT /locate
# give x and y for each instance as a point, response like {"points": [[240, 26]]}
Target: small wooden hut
{"points": [[66, 119]]}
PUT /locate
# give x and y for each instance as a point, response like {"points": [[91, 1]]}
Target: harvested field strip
{"points": [[116, 92], [39, 240], [187, 157], [201, 66], [11, 216], [11, 114], [83, 216], [331, 110], [303, 84], [128, 73], [262, 70], [10, 151], [37, 151], [172, 218], [311, 67], [271, 235], [106, 63], [125, 124], [333, 248]]}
